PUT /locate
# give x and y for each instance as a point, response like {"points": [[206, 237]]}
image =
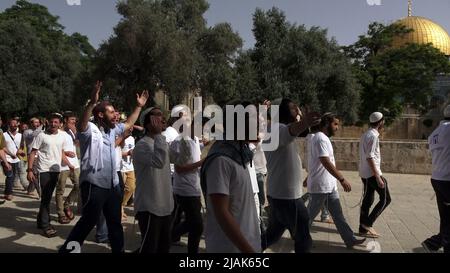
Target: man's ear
{"points": [[101, 115]]}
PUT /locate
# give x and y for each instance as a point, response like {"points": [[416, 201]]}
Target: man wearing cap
{"points": [[440, 179], [371, 176], [153, 202]]}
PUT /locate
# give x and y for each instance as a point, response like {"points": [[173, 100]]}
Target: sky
{"points": [[344, 19]]}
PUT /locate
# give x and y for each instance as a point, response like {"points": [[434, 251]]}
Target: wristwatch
{"points": [[341, 180], [29, 170]]}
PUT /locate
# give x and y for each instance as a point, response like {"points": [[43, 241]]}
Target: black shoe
{"points": [[356, 242], [2, 202], [430, 246]]}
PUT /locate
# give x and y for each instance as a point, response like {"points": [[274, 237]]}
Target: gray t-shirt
{"points": [[225, 176], [284, 177]]}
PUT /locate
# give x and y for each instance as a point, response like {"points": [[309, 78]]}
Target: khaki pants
{"points": [[61, 187], [129, 180]]}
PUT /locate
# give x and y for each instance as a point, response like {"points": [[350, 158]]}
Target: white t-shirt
{"points": [[284, 177], [225, 176], [186, 151], [369, 147], [50, 148], [127, 162], [12, 143], [439, 142], [69, 146], [319, 179]]}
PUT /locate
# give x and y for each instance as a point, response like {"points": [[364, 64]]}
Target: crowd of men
{"points": [[182, 184]]}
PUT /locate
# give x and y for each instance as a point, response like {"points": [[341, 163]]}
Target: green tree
{"points": [[394, 77], [298, 63], [166, 44], [39, 64]]}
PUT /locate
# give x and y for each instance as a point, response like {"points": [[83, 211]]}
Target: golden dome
{"points": [[424, 31]]}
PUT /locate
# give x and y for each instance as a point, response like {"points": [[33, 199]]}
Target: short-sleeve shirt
{"points": [[284, 177], [50, 147], [225, 176], [319, 179], [12, 143], [69, 146]]}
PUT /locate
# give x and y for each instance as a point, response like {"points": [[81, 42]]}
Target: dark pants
{"points": [[370, 187], [442, 189], [292, 215], [10, 177], [155, 232], [101, 232], [96, 200], [193, 223], [48, 183]]}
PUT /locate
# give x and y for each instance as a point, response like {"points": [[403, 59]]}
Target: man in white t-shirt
{"points": [[12, 142], [284, 180], [71, 171], [322, 177], [127, 169], [185, 151], [372, 177], [49, 148], [439, 142]]}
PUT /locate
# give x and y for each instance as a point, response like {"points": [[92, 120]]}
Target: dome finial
{"points": [[409, 8]]}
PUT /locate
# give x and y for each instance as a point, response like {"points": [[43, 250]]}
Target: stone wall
{"points": [[408, 157]]}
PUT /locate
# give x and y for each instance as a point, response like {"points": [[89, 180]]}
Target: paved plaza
{"points": [[410, 219]]}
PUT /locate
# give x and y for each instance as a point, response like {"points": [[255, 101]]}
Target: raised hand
{"points": [[95, 95], [142, 99]]}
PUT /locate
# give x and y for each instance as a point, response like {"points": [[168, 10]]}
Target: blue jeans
{"points": [[331, 201], [325, 215], [288, 214]]}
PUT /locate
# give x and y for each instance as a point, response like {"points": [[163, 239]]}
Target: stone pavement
{"points": [[410, 219]]}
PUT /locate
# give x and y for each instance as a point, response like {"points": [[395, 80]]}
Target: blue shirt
{"points": [[104, 177]]}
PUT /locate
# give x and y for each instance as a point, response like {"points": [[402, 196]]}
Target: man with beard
{"points": [[322, 178], [371, 176], [99, 182]]}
